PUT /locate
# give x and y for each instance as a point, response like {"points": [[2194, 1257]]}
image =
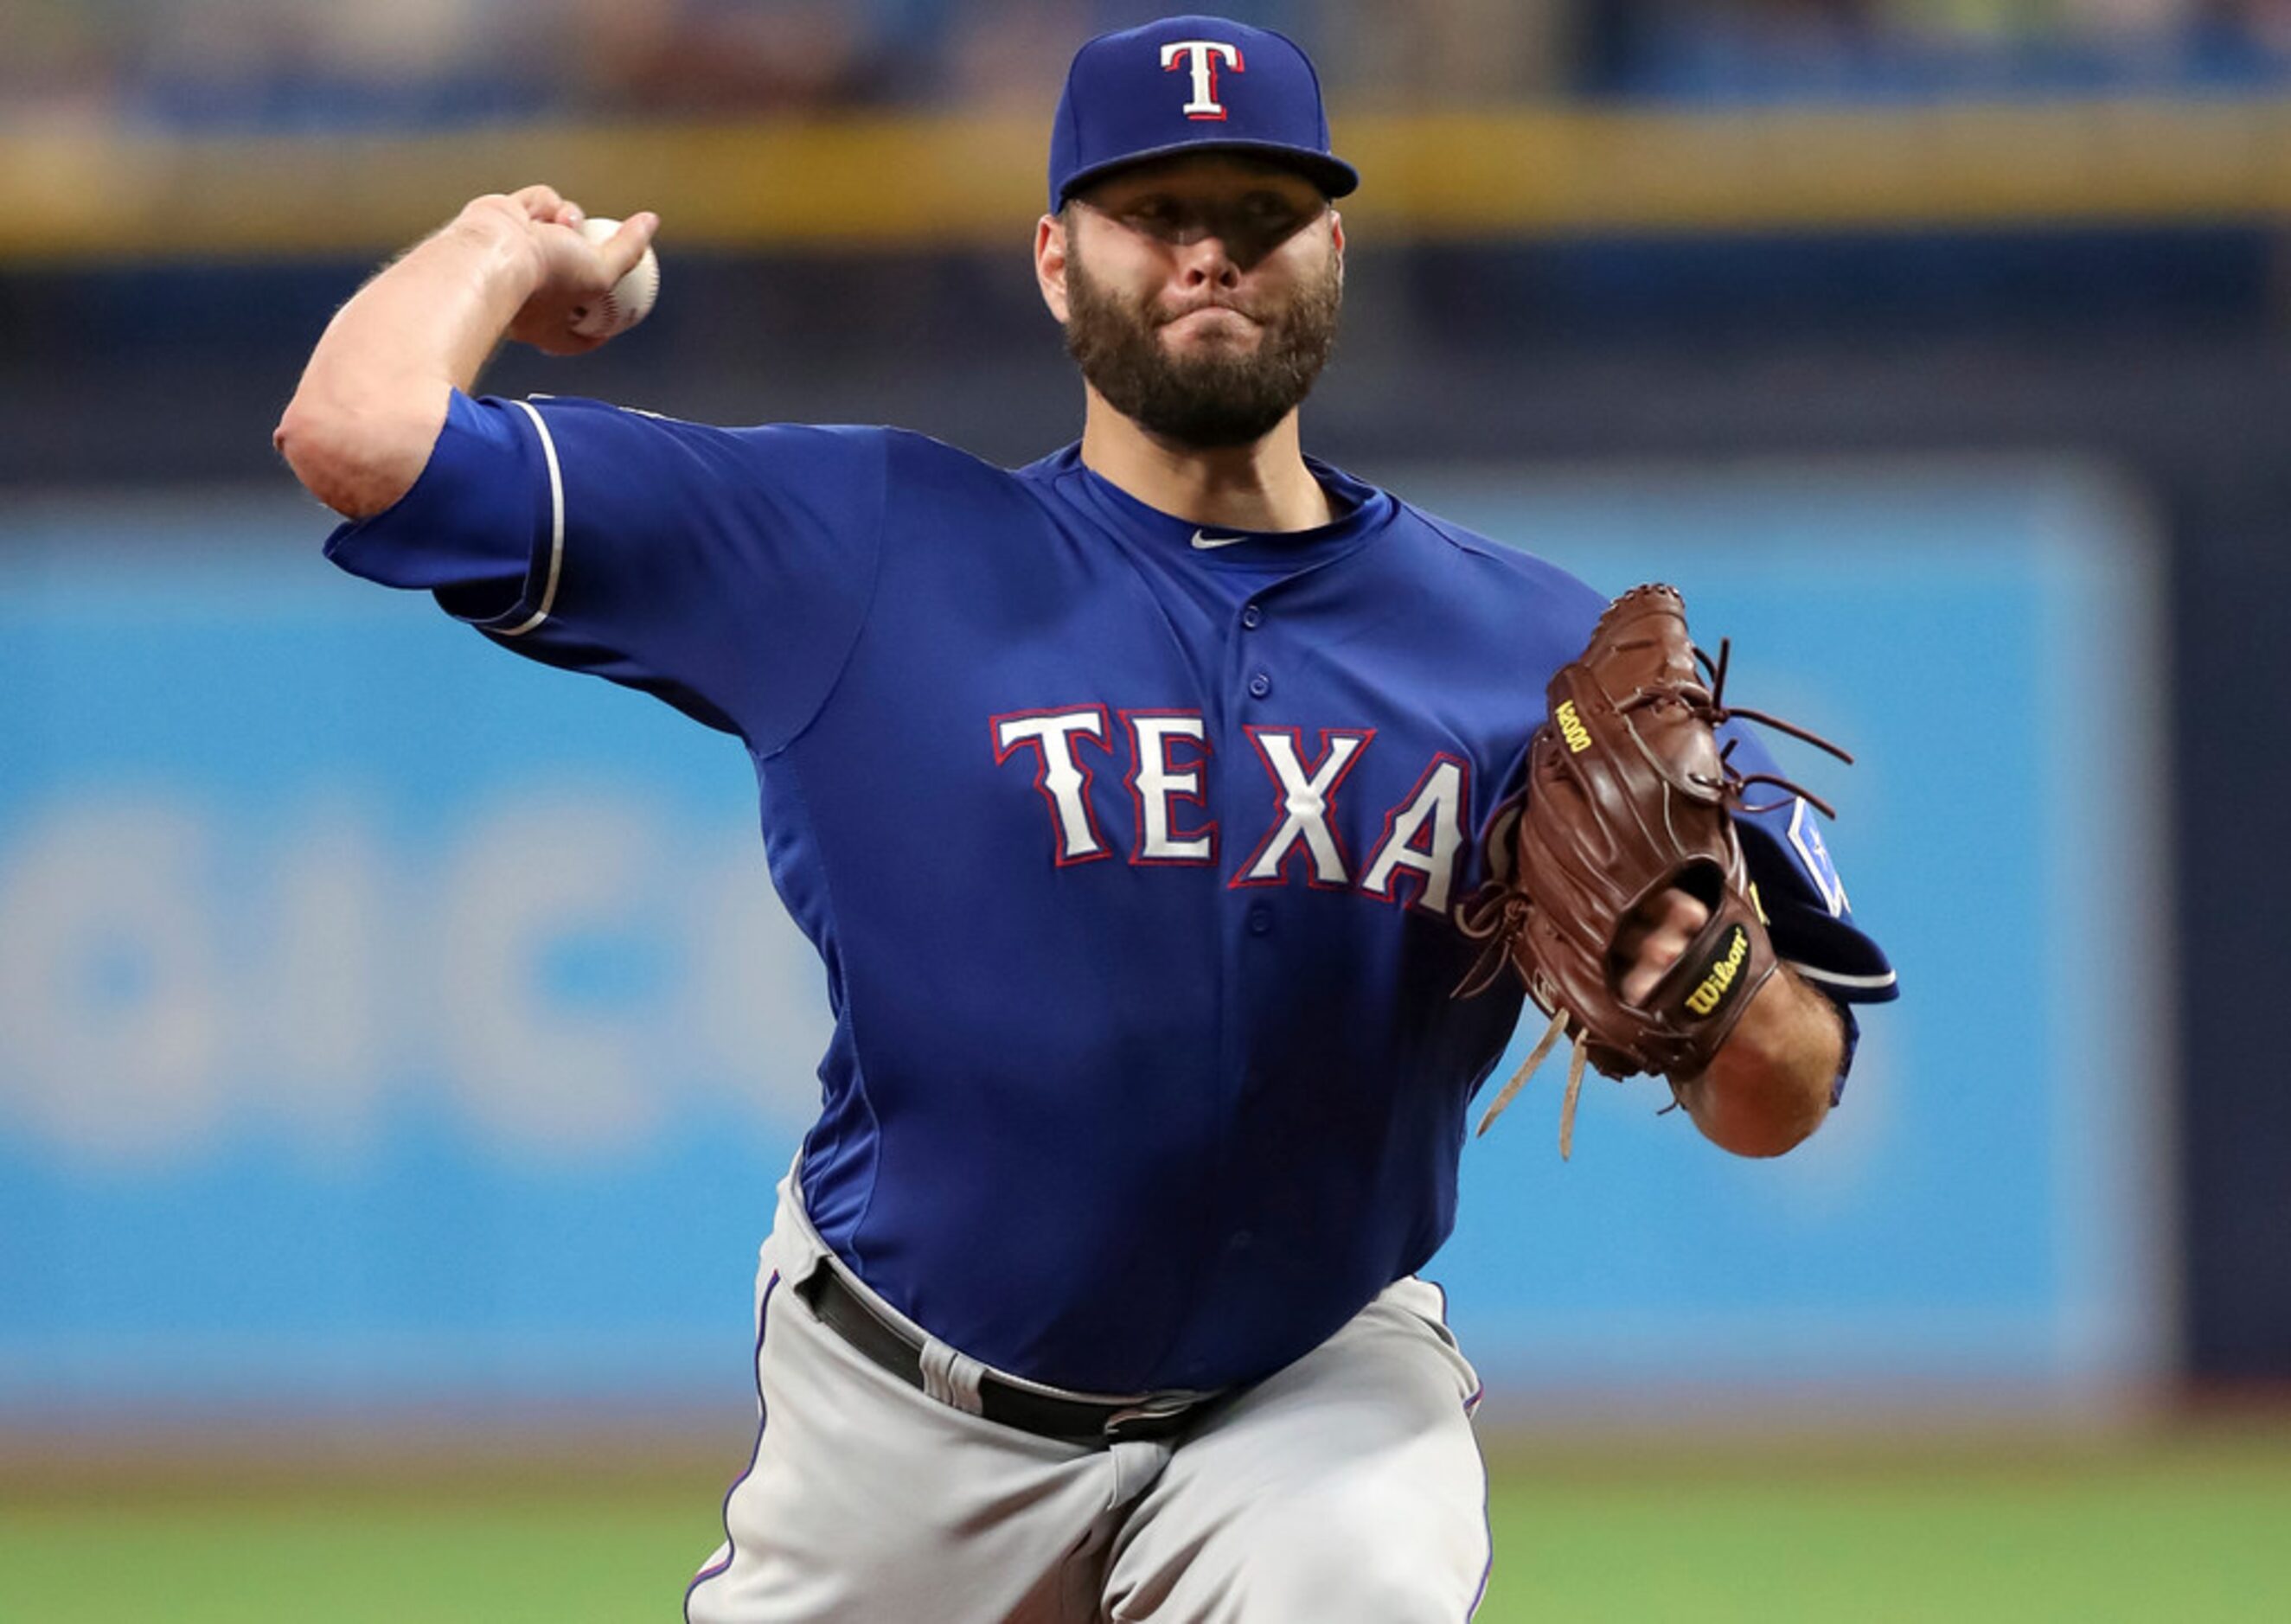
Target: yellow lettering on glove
{"points": [[1705, 998], [1571, 728]]}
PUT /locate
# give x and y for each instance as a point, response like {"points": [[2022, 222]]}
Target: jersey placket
{"points": [[1251, 936]]}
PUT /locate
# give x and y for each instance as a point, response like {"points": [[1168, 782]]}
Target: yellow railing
{"points": [[908, 182]]}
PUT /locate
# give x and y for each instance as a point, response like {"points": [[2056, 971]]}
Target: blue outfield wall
{"points": [[384, 1020]]}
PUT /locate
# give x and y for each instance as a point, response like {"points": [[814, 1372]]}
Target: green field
{"points": [[2179, 1530]]}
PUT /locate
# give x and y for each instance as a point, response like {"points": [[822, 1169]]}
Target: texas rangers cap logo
{"points": [[1202, 57], [1191, 84]]}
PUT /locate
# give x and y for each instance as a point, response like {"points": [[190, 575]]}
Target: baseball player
{"points": [[1131, 799]]}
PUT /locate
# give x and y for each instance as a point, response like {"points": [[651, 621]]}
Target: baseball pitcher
{"points": [[1155, 809]]}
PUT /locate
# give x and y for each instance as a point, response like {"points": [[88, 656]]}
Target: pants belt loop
{"points": [[951, 1377]]}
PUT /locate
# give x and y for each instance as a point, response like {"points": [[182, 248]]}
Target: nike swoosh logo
{"points": [[1205, 542]]}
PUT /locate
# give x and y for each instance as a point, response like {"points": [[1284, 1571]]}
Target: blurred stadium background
{"points": [[397, 1044]]}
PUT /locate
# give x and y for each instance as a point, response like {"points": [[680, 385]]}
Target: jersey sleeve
{"points": [[1808, 914], [725, 570], [1800, 890]]}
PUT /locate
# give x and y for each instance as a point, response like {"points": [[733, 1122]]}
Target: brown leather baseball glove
{"points": [[1627, 794]]}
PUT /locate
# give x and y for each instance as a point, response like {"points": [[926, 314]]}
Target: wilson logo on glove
{"points": [[1716, 985]]}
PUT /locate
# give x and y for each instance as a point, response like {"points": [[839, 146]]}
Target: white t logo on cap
{"points": [[1201, 59]]}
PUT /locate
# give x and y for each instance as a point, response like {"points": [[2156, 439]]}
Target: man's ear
{"points": [[1050, 263], [1336, 231]]}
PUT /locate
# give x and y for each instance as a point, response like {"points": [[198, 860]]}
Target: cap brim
{"points": [[1334, 176]]}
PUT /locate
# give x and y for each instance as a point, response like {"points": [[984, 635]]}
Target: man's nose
{"points": [[1207, 262]]}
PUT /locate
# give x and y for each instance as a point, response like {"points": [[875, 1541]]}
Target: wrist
{"points": [[502, 245], [1786, 1026], [1770, 1084]]}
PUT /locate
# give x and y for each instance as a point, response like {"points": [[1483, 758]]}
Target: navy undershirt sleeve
{"points": [[1808, 914], [725, 570], [1801, 891]]}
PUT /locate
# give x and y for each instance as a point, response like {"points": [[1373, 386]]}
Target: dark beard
{"points": [[1216, 397]]}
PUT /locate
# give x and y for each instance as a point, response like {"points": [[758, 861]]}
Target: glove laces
{"points": [[1561, 1025]]}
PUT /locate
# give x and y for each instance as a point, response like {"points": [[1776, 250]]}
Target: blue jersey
{"points": [[1131, 851]]}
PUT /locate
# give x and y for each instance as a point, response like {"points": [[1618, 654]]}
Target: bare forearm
{"points": [[371, 399], [1769, 1086], [362, 424]]}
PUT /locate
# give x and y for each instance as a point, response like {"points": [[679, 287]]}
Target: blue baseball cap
{"points": [[1191, 84]]}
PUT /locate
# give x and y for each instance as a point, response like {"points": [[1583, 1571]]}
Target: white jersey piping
{"points": [[1833, 978], [556, 525]]}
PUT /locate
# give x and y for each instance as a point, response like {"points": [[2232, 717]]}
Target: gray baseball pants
{"points": [[1346, 1488]]}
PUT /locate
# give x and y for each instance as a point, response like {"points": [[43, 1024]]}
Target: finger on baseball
{"points": [[627, 245], [541, 203]]}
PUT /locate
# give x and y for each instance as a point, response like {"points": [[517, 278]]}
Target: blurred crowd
{"points": [[286, 65]]}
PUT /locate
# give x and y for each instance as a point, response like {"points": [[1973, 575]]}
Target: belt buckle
{"points": [[1158, 1416]]}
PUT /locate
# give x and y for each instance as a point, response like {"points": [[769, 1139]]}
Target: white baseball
{"points": [[631, 299]]}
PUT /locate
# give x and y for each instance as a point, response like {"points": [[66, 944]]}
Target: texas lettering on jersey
{"points": [[1166, 754]]}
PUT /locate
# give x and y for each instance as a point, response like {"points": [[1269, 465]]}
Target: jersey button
{"points": [[1242, 1241], [1252, 617], [1260, 685], [1260, 919]]}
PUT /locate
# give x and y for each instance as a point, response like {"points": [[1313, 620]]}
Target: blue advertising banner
{"points": [[384, 1019]]}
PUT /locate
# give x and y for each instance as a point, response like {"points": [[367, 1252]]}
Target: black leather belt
{"points": [[1073, 1420]]}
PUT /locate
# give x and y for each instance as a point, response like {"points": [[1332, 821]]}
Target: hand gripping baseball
{"points": [[579, 270], [1628, 799]]}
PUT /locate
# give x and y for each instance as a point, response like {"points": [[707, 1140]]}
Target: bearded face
{"points": [[1214, 393]]}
